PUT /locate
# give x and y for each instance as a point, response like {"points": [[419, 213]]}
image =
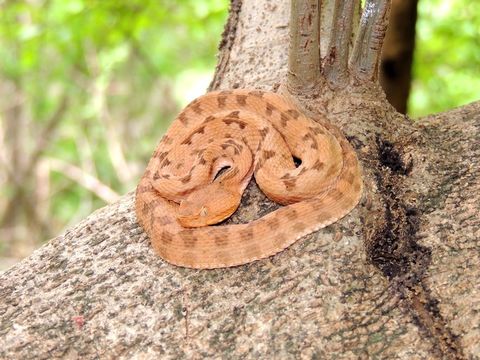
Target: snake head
{"points": [[207, 205]]}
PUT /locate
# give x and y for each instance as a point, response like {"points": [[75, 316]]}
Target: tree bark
{"points": [[396, 278]]}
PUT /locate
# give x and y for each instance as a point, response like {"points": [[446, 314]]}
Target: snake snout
{"points": [[208, 205]]}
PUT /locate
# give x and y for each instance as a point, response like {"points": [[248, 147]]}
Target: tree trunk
{"points": [[397, 53], [396, 278]]}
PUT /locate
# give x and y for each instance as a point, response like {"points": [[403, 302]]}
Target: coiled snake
{"points": [[203, 163]]}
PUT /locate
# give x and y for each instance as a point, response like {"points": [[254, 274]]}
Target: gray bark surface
{"points": [[395, 279]]}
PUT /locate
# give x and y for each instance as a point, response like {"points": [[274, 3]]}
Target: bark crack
{"points": [[392, 247]]}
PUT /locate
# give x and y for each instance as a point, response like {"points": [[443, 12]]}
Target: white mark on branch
{"points": [[368, 12]]}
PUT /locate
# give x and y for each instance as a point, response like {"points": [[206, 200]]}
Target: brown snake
{"points": [[199, 170]]}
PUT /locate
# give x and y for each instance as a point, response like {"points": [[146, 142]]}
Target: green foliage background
{"points": [[447, 56], [123, 67], [126, 67]]}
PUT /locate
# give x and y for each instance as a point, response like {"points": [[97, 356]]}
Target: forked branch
{"points": [[307, 71]]}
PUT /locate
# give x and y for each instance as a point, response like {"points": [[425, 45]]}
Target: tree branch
{"points": [[336, 61], [368, 43], [304, 53], [86, 180], [327, 10]]}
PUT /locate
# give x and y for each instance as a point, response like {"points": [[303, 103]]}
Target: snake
{"points": [[198, 172]]}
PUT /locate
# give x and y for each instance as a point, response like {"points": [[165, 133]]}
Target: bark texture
{"points": [[396, 279]]}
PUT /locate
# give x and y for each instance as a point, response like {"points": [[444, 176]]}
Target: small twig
{"points": [[84, 179], [304, 54], [368, 43], [336, 62]]}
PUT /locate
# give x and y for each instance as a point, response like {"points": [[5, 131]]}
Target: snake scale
{"points": [[200, 168]]}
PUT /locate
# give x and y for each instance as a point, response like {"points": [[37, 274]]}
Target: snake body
{"points": [[203, 163]]}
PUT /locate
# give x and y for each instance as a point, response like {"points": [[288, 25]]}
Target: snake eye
{"points": [[221, 171], [203, 211], [297, 161]]}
